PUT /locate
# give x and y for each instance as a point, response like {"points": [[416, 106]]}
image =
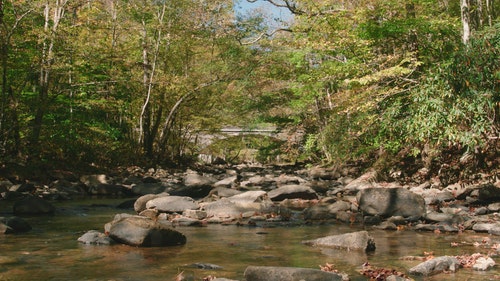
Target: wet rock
{"points": [[360, 240], [33, 206], [293, 191], [144, 232], [95, 237], [206, 266], [14, 225], [267, 273], [172, 204], [436, 265], [388, 202]]}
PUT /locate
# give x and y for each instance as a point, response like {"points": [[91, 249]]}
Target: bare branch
{"points": [[265, 34]]}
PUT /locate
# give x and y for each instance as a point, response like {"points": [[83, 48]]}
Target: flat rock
{"points": [[292, 191], [94, 237], [271, 273], [436, 265], [360, 240], [172, 204]]}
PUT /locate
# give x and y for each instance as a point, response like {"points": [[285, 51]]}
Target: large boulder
{"points": [[268, 273], [140, 203], [360, 240], [33, 206], [172, 204], [436, 265], [387, 202], [292, 191], [144, 232]]}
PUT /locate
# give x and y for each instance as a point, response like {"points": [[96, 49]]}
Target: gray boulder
{"points": [[436, 265], [95, 237], [271, 273], [386, 202], [140, 203], [144, 232], [292, 191], [33, 206], [172, 204], [227, 208], [360, 240]]}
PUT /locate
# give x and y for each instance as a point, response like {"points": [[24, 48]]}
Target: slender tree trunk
{"points": [[465, 12]]}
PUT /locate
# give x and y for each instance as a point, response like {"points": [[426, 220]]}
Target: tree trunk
{"points": [[465, 12]]}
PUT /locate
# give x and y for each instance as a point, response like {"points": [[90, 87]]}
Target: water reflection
{"points": [[51, 252]]}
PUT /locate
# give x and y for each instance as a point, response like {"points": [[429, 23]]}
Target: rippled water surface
{"points": [[50, 251]]}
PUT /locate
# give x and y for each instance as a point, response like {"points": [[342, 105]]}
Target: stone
{"points": [[436, 265], [249, 196], [386, 202], [227, 208], [172, 204], [140, 203], [323, 173], [483, 263], [144, 232], [268, 273], [227, 182], [488, 193], [33, 206], [292, 191], [364, 181], [223, 192], [360, 240], [94, 237], [147, 188]]}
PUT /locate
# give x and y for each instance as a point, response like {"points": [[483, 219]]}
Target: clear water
{"points": [[51, 251]]}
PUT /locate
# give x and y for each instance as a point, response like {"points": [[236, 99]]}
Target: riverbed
{"points": [[50, 251]]}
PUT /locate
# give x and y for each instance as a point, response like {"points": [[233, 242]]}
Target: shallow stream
{"points": [[51, 251]]}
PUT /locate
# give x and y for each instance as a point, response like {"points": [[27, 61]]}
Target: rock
{"points": [[494, 207], [388, 202], [483, 227], [271, 273], [324, 211], [495, 229], [172, 204], [436, 265], [193, 179], [323, 173], [363, 182], [232, 209], [140, 203], [249, 196], [5, 229], [292, 191], [223, 192], [360, 240], [483, 263], [147, 188], [15, 225], [144, 232], [488, 193], [95, 237], [227, 182], [184, 221], [33, 206], [195, 214], [205, 266]]}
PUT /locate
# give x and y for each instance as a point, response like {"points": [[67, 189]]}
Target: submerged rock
{"points": [[360, 240], [268, 273]]}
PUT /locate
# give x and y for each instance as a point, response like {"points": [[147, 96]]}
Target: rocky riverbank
{"points": [[255, 196]]}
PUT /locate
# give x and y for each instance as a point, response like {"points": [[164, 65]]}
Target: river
{"points": [[51, 252]]}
